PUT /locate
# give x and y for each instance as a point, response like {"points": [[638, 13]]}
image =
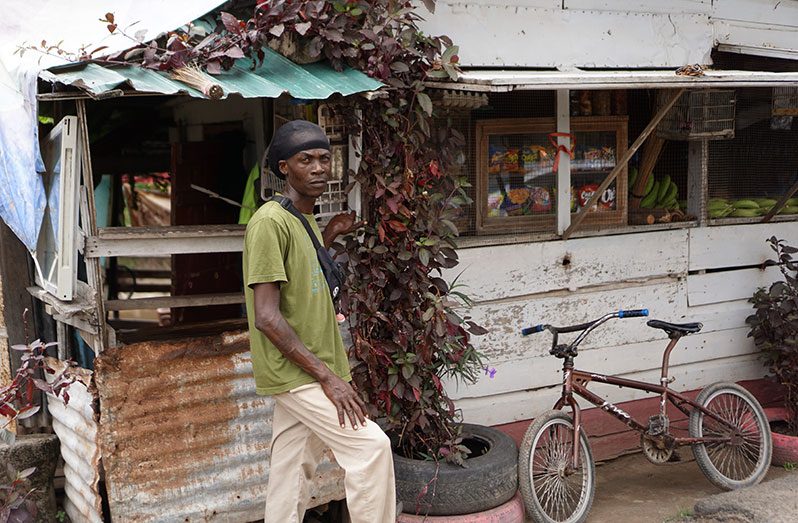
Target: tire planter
{"points": [[487, 481], [510, 512], [785, 448]]}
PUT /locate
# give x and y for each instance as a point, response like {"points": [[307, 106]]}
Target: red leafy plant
{"points": [[774, 325], [17, 403], [407, 321]]}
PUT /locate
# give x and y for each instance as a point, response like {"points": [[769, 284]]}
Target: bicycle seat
{"points": [[671, 328]]}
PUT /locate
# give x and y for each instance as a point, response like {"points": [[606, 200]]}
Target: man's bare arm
{"points": [[270, 321]]}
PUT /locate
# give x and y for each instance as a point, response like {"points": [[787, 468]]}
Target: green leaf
{"points": [[428, 314], [407, 370], [425, 102], [449, 53], [423, 257]]}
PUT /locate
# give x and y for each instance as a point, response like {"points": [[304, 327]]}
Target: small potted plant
{"points": [[774, 327]]}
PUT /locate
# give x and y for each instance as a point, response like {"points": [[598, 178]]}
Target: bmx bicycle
{"points": [[728, 430]]}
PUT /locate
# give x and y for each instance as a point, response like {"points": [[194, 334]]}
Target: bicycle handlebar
{"points": [[632, 313], [629, 313]]}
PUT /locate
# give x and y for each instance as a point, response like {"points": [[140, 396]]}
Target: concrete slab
{"points": [[770, 502], [630, 489]]}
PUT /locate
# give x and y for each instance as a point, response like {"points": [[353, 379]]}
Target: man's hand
{"points": [[346, 400], [343, 223]]}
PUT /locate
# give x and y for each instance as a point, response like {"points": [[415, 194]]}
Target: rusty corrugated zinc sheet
{"points": [[183, 435], [76, 426]]}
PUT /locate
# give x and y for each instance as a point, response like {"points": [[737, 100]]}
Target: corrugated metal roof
{"points": [[184, 437], [76, 427], [277, 75]]}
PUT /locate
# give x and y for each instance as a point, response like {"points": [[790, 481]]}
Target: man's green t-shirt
{"points": [[277, 248]]}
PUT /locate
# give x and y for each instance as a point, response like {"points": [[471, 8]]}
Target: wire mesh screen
{"points": [[327, 115], [749, 174], [699, 114]]}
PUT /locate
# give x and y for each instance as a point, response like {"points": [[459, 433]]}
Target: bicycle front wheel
{"points": [[554, 491], [744, 460]]}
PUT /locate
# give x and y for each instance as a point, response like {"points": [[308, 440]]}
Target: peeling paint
{"points": [[183, 434]]}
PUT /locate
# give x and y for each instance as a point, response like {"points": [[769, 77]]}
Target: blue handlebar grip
{"points": [[531, 330], [632, 313]]}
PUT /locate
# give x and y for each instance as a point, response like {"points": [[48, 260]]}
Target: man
{"points": [[297, 353]]}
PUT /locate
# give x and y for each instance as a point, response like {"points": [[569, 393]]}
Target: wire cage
{"points": [[706, 114], [334, 125], [785, 101]]}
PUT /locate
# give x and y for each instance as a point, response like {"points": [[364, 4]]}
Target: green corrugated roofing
{"points": [[277, 75]]}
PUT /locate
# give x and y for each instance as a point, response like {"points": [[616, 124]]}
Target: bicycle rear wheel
{"points": [[553, 491], [743, 461]]}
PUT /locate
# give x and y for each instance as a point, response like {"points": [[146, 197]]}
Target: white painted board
{"points": [[505, 271], [717, 287], [736, 245], [527, 404], [493, 34], [544, 370], [504, 320]]}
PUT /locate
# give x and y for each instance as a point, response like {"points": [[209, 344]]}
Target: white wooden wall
{"points": [[610, 33], [516, 286]]}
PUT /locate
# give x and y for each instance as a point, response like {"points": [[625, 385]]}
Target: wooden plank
{"points": [[194, 300], [665, 299], [564, 168], [642, 6], [775, 14], [782, 201], [526, 404], [621, 164], [14, 264], [506, 271], [80, 304], [720, 316], [717, 287], [736, 245], [540, 369], [697, 179], [158, 241], [88, 218]]}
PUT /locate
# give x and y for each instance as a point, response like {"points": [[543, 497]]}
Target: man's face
{"points": [[308, 171]]}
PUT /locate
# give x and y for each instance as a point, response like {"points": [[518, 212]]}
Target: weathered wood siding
{"points": [[665, 271], [611, 33]]}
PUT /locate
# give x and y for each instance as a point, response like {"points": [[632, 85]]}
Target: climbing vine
{"points": [[407, 330]]}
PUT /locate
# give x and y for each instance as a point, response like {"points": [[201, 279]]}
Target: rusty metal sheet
{"points": [[76, 427], [184, 437]]}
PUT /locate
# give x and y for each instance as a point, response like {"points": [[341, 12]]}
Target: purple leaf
{"points": [[28, 412], [213, 67], [230, 22], [302, 28], [277, 30], [234, 52]]}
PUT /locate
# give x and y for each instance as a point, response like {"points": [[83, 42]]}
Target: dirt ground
{"points": [[630, 489]]}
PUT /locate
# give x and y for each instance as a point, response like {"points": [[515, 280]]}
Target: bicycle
{"points": [[728, 431]]}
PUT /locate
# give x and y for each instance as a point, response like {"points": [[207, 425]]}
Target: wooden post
{"points": [[697, 179], [783, 200], [88, 218], [620, 164], [564, 167]]}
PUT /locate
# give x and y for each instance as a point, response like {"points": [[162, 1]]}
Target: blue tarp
{"points": [[22, 195]]}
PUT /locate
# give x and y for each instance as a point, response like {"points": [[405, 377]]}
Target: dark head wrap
{"points": [[294, 137]]}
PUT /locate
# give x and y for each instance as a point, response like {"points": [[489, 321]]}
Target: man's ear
{"points": [[283, 166]]}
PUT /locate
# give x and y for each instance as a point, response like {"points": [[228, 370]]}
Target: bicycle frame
{"points": [[575, 382]]}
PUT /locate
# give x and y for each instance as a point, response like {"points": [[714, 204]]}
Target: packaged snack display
{"points": [[606, 202], [540, 200]]}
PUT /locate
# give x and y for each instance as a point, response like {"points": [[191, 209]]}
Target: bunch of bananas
{"points": [[661, 194], [747, 207]]}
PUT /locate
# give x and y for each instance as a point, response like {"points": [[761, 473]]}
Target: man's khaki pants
{"points": [[305, 422]]}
